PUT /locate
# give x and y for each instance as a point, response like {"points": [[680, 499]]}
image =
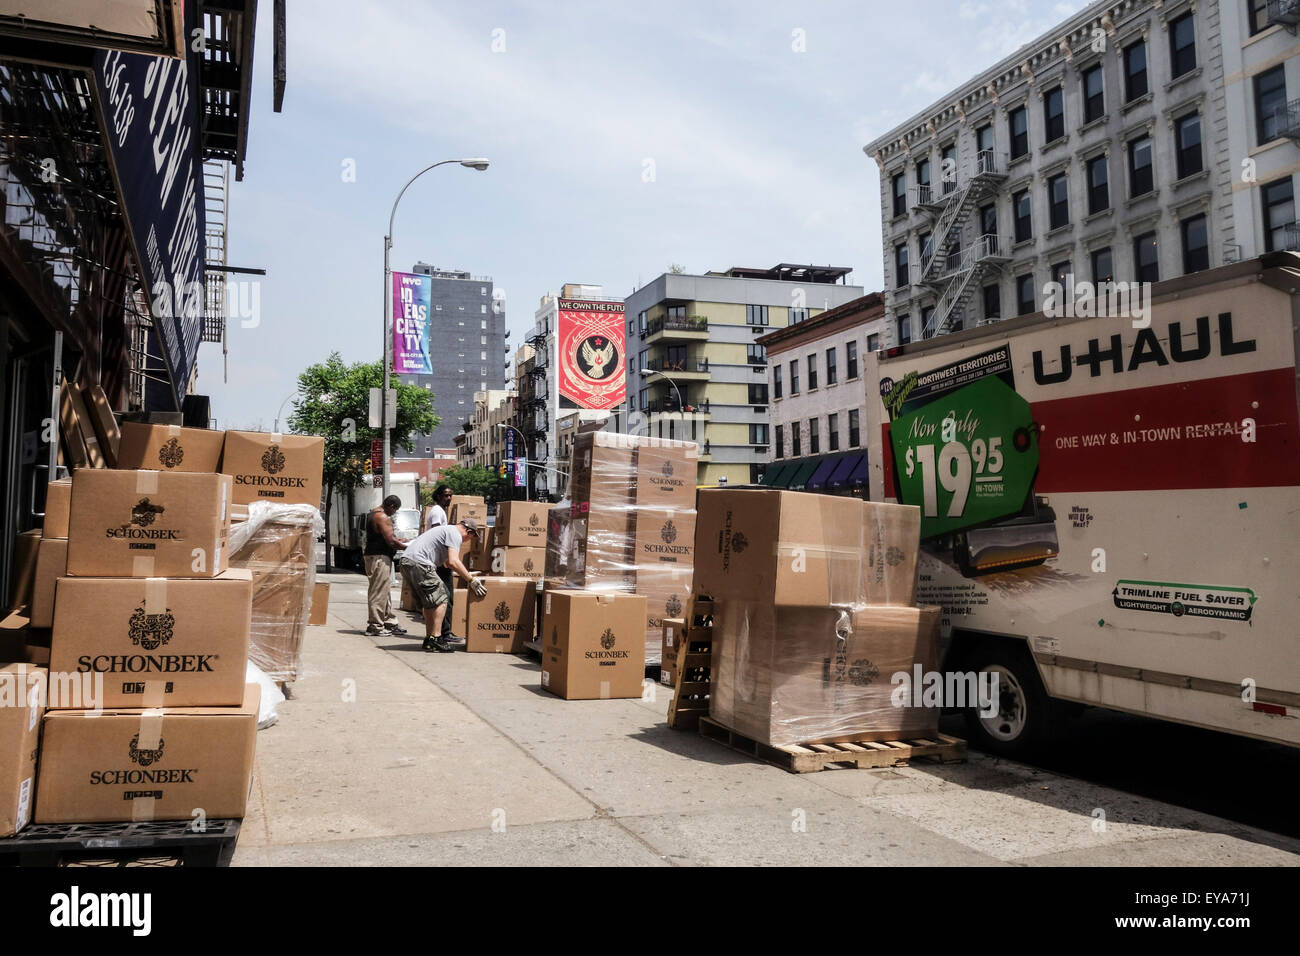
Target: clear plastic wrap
{"points": [[628, 525], [277, 543], [789, 676]]}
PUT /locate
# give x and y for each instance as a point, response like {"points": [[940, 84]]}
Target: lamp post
{"points": [[479, 164], [525, 455], [276, 426]]}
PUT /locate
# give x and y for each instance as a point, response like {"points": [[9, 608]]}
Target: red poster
{"points": [[591, 353]]}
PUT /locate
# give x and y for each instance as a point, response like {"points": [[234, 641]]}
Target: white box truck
{"points": [[348, 512], [1111, 504]]}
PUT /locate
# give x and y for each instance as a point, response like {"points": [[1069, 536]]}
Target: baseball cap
{"points": [[470, 525]]}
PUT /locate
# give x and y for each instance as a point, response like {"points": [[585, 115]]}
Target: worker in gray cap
{"points": [[439, 548]]}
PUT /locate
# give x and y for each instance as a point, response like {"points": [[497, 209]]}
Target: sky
{"points": [[624, 138]]}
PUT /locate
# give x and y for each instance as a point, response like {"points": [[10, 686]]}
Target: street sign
{"points": [[510, 454], [967, 457], [374, 407], [521, 472], [377, 459]]}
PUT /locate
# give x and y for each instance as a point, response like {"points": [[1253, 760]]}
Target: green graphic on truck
{"points": [[1192, 600]]}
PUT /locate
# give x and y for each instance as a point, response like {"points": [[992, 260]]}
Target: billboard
{"points": [[411, 303], [151, 108], [591, 354]]}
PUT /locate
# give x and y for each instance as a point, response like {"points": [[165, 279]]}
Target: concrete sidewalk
{"points": [[391, 756]]}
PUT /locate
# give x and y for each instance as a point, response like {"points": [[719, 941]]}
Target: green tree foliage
{"points": [[334, 402], [476, 480]]}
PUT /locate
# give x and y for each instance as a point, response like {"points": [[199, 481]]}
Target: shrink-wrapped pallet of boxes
{"points": [[813, 615], [629, 525], [278, 545]]}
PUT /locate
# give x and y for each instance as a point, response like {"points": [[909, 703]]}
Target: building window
{"points": [[482, 290], [1196, 244], [923, 174], [1146, 258], [1094, 94], [797, 316], [851, 360], [482, 309], [779, 448], [1058, 201], [757, 354], [482, 323], [1018, 123], [1102, 269], [1187, 132], [1135, 71], [1270, 97], [1140, 176], [1279, 213], [776, 381], [855, 434], [641, 320], [1098, 185], [756, 315], [948, 168], [927, 313], [833, 432], [901, 277], [794, 377], [758, 433], [814, 439], [1054, 115], [812, 372], [1182, 45], [831, 371], [900, 193], [758, 393], [482, 340], [989, 220], [873, 342], [904, 329], [1258, 16], [992, 302], [1059, 272], [1020, 207], [927, 248], [796, 448], [1025, 294]]}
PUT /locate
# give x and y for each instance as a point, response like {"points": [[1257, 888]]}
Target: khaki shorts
{"points": [[428, 588]]}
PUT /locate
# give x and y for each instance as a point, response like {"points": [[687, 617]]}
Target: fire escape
{"points": [[534, 412], [953, 272]]}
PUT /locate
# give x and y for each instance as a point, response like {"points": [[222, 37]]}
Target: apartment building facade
{"points": [[467, 340], [696, 338], [482, 438], [1136, 141], [818, 398]]}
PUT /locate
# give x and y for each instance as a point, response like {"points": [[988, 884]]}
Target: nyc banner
{"points": [[411, 295]]}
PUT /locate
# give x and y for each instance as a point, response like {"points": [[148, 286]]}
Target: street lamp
{"points": [[681, 405], [276, 426], [479, 164]]}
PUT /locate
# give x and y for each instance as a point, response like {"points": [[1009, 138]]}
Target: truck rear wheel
{"points": [[1023, 717]]}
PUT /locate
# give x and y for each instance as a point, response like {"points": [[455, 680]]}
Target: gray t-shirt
{"points": [[431, 548]]}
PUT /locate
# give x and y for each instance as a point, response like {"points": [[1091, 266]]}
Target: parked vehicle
{"points": [[348, 512], [1111, 504]]}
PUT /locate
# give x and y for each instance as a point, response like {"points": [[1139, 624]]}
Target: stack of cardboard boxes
{"points": [[149, 715], [518, 543], [629, 526], [813, 615]]}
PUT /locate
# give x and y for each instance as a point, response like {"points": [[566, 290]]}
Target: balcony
{"points": [[1285, 12], [686, 370], [670, 406], [682, 328], [1287, 238], [1286, 119]]}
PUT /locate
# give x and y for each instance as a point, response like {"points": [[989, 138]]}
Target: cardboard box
{"points": [[665, 474], [148, 524], [170, 448], [517, 562], [559, 545], [669, 643], [601, 472], [593, 645], [132, 764], [157, 642], [76, 454], [285, 469], [14, 628], [667, 593], [408, 601], [893, 539], [23, 572], [501, 621], [58, 500], [467, 506], [101, 417], [22, 691], [51, 564], [663, 538], [804, 550], [320, 603], [787, 676], [601, 554], [520, 524], [281, 554]]}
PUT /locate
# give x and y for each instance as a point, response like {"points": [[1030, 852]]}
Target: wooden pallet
{"points": [[121, 844], [810, 758], [691, 689]]}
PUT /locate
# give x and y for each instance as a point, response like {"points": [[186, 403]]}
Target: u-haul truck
{"points": [[1111, 505]]}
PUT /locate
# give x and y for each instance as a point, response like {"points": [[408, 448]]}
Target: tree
{"points": [[476, 480], [334, 403]]}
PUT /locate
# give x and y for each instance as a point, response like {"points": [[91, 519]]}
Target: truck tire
{"points": [[1025, 713]]}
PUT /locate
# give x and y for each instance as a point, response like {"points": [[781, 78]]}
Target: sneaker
{"points": [[436, 644], [453, 641], [395, 629], [373, 631]]}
